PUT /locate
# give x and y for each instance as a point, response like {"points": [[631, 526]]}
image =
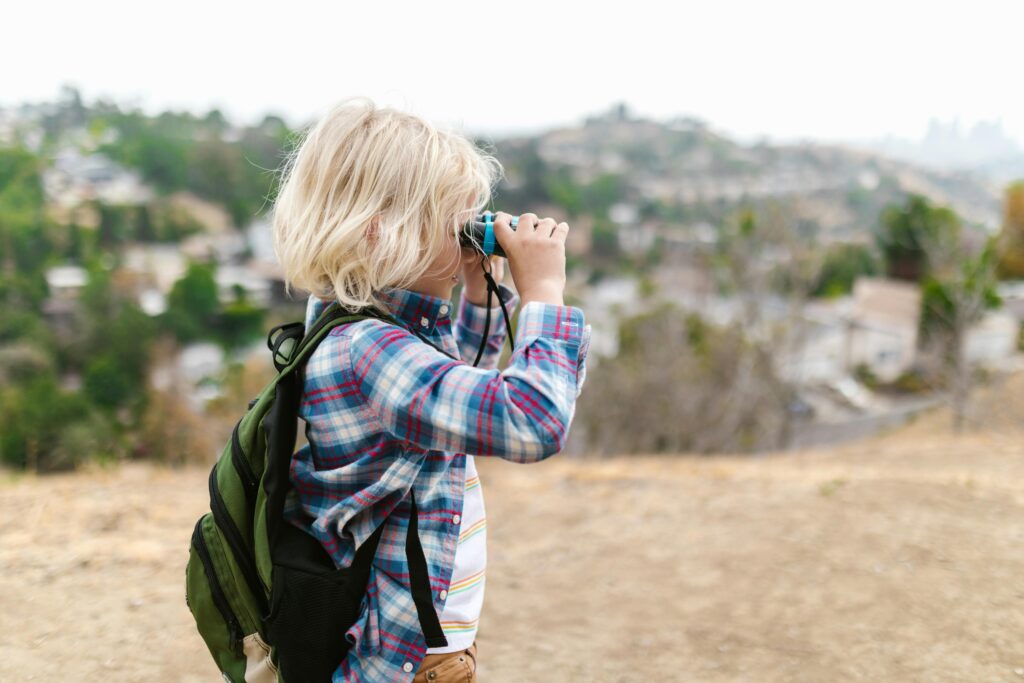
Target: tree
{"points": [[910, 234], [193, 304], [144, 231], [926, 244], [107, 383], [241, 322], [718, 387], [604, 191], [843, 264], [33, 416], [714, 390], [22, 243], [604, 248], [115, 344], [1010, 252], [955, 296]]}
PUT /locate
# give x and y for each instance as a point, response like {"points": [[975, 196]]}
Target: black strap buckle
{"points": [[287, 341]]}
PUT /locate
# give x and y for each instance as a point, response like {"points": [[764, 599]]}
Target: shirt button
{"points": [[407, 667], [443, 594], [457, 518], [444, 309], [424, 322]]}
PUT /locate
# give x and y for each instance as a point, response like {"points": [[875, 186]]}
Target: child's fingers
{"points": [[503, 229], [546, 226]]}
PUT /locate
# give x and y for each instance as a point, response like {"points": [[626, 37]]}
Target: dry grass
{"points": [[895, 559]]}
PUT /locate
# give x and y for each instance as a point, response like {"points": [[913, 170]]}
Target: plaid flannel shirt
{"points": [[386, 413]]}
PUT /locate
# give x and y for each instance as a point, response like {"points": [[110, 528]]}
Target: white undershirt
{"points": [[461, 613]]}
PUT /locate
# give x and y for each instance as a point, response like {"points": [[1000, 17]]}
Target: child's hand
{"points": [[536, 255], [474, 284]]}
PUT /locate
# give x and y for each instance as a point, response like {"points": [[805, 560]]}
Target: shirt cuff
{"points": [[538, 319], [566, 324]]}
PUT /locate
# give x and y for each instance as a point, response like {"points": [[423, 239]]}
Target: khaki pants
{"points": [[448, 667]]}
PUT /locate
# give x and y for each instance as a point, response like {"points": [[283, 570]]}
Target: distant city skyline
{"points": [[783, 71], [929, 128]]}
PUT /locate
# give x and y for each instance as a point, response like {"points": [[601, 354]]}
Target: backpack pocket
{"points": [[220, 612], [309, 615]]}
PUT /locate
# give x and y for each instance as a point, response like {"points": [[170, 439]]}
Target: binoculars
{"points": [[479, 234]]}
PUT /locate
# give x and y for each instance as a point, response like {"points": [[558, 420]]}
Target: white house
{"points": [[883, 326]]}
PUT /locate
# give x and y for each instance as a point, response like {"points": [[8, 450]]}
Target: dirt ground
{"points": [[895, 559]]}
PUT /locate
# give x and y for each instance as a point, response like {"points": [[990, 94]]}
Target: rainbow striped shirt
{"points": [[465, 598]]}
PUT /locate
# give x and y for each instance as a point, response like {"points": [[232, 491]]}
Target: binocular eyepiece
{"points": [[479, 234]]}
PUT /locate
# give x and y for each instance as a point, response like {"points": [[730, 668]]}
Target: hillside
{"points": [[894, 559], [681, 172]]}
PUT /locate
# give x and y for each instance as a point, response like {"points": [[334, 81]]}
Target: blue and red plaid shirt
{"points": [[387, 413]]}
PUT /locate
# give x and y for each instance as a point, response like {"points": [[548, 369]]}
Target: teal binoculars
{"points": [[479, 234]]}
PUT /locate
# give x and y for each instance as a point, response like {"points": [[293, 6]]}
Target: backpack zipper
{"points": [[219, 599], [233, 537], [244, 469]]}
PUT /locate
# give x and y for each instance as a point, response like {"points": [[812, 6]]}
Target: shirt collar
{"points": [[417, 310]]}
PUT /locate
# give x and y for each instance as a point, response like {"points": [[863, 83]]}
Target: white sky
{"points": [[774, 68]]}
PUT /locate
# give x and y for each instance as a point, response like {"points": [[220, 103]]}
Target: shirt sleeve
{"points": [[469, 327], [428, 400]]}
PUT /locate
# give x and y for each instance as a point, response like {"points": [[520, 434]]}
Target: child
{"points": [[369, 213]]}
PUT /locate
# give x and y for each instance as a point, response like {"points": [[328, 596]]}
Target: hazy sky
{"points": [[784, 70]]}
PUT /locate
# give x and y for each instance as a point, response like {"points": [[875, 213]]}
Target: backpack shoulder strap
{"points": [[294, 344]]}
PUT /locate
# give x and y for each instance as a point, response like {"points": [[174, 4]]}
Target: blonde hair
{"points": [[366, 168]]}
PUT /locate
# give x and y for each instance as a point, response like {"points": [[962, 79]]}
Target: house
{"points": [[883, 325], [257, 287], [161, 264], [76, 178], [65, 284], [993, 340]]}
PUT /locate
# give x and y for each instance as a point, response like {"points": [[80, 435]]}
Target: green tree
{"points": [[144, 230], [193, 304], [24, 245], [604, 191], [922, 242], [910, 235], [108, 383], [843, 264], [33, 416], [114, 228], [114, 346], [564, 191], [240, 323], [1010, 252], [75, 250], [604, 246], [954, 298]]}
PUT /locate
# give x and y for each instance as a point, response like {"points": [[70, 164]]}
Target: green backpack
{"points": [[266, 597]]}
